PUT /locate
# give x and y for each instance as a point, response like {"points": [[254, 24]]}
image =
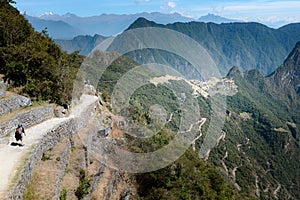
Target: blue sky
{"points": [[251, 10]]}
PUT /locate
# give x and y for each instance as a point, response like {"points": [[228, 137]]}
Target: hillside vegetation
{"points": [[187, 178], [260, 151], [32, 62]]}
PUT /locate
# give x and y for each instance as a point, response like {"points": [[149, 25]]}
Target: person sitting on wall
{"points": [[20, 132]]}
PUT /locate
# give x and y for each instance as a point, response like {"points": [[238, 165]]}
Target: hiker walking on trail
{"points": [[20, 132]]}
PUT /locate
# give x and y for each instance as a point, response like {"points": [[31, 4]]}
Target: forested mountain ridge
{"points": [[247, 45]]}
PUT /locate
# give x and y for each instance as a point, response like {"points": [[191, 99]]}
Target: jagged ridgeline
{"points": [[31, 62]]}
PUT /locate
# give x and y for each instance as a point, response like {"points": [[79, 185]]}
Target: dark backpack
{"points": [[19, 130]]}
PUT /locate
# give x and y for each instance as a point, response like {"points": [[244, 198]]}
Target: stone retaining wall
{"points": [[10, 104], [2, 93], [29, 118], [64, 130], [3, 85], [65, 156]]}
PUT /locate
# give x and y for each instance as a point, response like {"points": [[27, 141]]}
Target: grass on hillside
{"points": [[44, 181], [20, 168]]}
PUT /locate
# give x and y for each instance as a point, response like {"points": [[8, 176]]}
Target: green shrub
{"points": [[46, 157], [84, 185], [63, 194]]}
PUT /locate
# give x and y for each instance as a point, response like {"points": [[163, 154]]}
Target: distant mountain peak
{"points": [[286, 78], [233, 72], [216, 19], [69, 15], [291, 67], [211, 15], [142, 22], [56, 17]]}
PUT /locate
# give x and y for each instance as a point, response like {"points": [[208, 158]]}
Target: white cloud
{"points": [[218, 9], [264, 6], [273, 13], [171, 4], [141, 1], [270, 19]]}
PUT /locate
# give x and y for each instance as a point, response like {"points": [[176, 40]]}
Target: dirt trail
{"points": [[13, 157]]}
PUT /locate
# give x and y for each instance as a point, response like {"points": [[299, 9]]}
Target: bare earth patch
{"points": [[46, 173]]}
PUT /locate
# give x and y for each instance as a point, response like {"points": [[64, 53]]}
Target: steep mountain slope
{"points": [[287, 77], [292, 29], [83, 44], [216, 19], [187, 178], [260, 152], [247, 45]]}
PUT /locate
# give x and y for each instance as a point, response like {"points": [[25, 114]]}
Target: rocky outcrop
{"points": [[97, 178], [60, 111], [111, 188]]}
